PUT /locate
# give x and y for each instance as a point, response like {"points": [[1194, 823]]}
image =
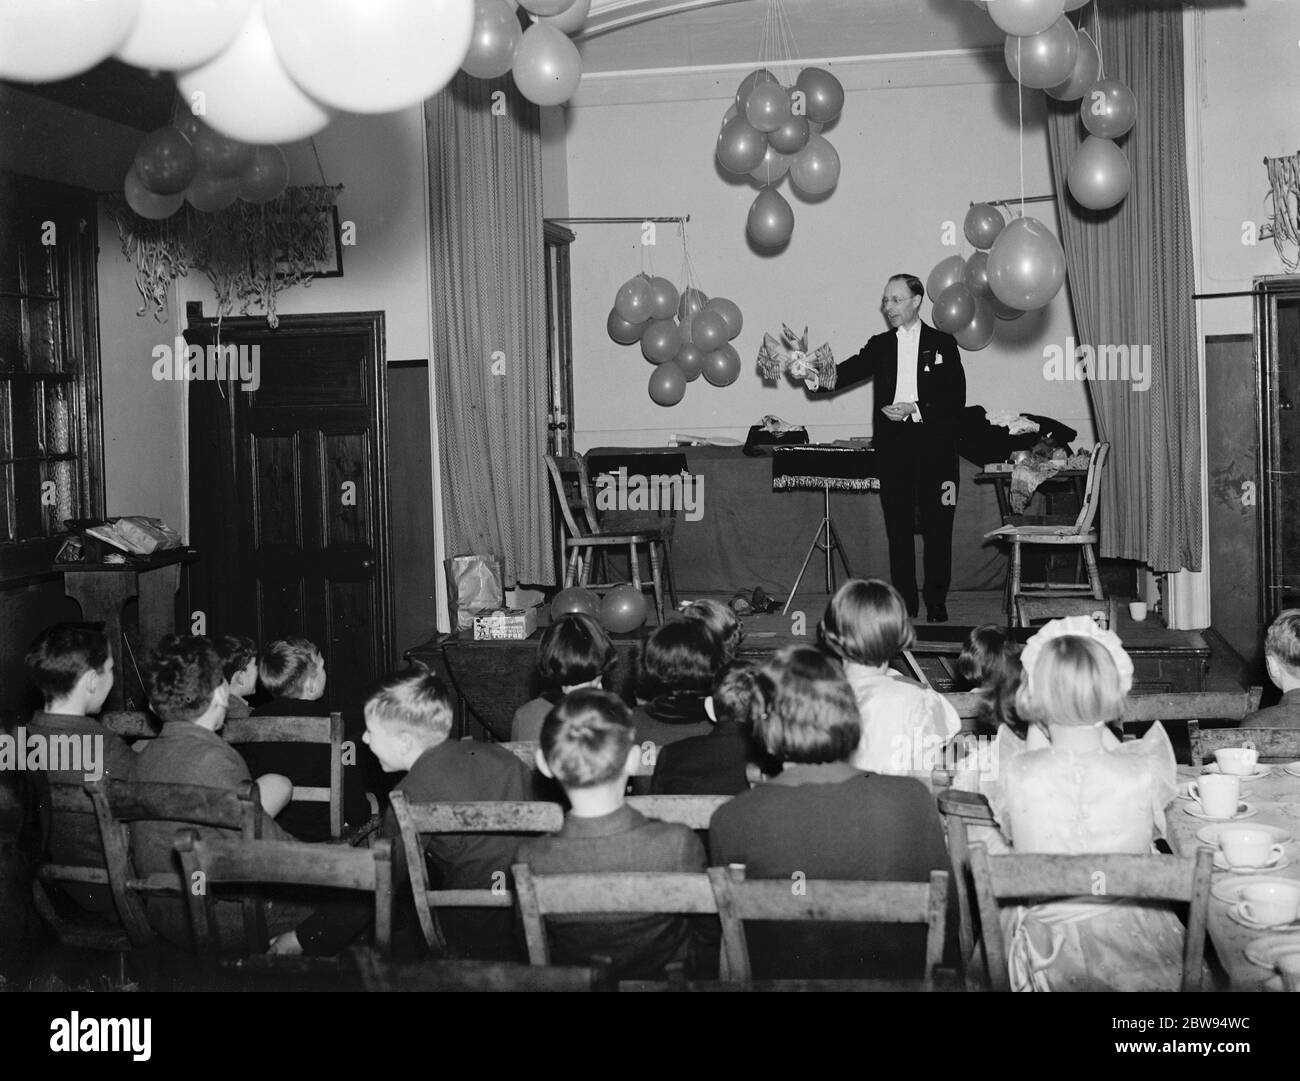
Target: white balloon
{"points": [[172, 36], [45, 40], [246, 94], [570, 21]]}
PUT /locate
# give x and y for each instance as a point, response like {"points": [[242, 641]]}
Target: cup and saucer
{"points": [[1272, 905], [1244, 810], [1292, 768], [1258, 774], [1276, 864]]}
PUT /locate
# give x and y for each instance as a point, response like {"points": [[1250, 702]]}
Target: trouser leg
{"points": [[937, 496], [897, 501]]}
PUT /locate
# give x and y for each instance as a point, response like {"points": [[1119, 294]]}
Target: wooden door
{"points": [[304, 543]]}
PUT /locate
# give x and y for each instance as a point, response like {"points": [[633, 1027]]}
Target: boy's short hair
{"points": [[721, 619], [62, 654], [680, 657], [807, 710], [287, 664], [1282, 642], [867, 622], [235, 651], [585, 739], [414, 702], [183, 672], [735, 694], [574, 649]]}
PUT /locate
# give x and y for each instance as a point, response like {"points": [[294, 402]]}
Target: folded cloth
{"points": [[1015, 423], [1027, 475]]}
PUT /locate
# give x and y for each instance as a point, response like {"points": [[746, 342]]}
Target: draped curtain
{"points": [[1130, 281], [489, 314]]}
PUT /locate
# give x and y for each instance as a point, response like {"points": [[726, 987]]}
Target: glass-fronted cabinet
{"points": [[1277, 352]]}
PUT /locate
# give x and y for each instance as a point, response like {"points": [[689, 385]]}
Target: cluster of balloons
{"points": [[1045, 52], [192, 163], [773, 131], [545, 62], [1017, 267], [260, 71], [683, 335], [624, 608]]}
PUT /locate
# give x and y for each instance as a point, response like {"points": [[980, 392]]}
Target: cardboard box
{"points": [[505, 624]]}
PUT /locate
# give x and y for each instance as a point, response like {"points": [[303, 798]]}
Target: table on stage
{"points": [[1276, 799]]}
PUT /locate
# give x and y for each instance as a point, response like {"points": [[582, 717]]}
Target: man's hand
{"points": [[801, 369], [900, 410]]}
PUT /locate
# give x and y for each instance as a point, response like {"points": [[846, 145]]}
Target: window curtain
{"points": [[489, 313], [1130, 282]]}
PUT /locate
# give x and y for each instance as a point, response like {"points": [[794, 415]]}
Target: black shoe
{"points": [[937, 614]]}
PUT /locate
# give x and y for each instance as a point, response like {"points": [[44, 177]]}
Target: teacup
{"points": [[1247, 846], [1270, 903], [1218, 794], [1238, 761]]}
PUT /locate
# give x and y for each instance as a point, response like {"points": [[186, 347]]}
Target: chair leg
{"points": [[670, 584], [584, 568], [1094, 575], [655, 580], [635, 562], [571, 571], [1015, 581]]}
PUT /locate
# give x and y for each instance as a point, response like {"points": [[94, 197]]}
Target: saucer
{"points": [[1228, 890], [1260, 772], [1244, 810], [1237, 917], [1266, 951], [1277, 835], [1292, 768], [1222, 864]]}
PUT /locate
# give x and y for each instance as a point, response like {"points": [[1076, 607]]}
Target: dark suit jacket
{"points": [[712, 765]]}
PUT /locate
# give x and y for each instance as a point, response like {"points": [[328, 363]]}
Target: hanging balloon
{"points": [[663, 299], [753, 79], [977, 333], [1099, 175], [45, 40], [731, 113], [982, 225], [571, 19], [741, 146], [1042, 60], [621, 330], [953, 308], [945, 273], [218, 155], [691, 361], [659, 342], [771, 221], [1109, 109], [1075, 5], [149, 204], [1026, 265], [710, 331], [977, 275], [247, 94], [667, 384], [1025, 17], [773, 167], [210, 193], [575, 599], [266, 177], [172, 37], [692, 303], [545, 7], [165, 161], [548, 68], [495, 38], [1005, 312], [624, 609], [815, 170], [790, 137], [822, 93], [1087, 70], [633, 300], [730, 312], [767, 107], [722, 366]]}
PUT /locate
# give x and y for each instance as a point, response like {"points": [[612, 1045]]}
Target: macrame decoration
{"points": [[777, 355], [1284, 226]]}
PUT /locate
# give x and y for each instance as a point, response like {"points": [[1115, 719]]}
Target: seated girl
{"points": [[722, 620], [678, 666], [1070, 787], [989, 665], [574, 652]]}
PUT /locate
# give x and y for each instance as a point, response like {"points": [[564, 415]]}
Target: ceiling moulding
{"points": [[607, 15]]}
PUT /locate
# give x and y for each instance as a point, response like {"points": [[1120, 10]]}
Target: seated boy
{"points": [[294, 672], [239, 663], [71, 667], [1282, 655], [589, 745]]}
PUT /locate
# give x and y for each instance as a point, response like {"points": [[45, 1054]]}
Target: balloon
{"points": [[1109, 109], [1075, 5], [1087, 70], [545, 7], [1099, 176], [571, 19], [823, 94], [623, 609], [245, 92], [773, 167], [953, 308], [982, 225], [266, 177], [165, 161], [663, 299], [730, 312], [945, 273], [731, 113], [977, 275], [790, 137], [815, 170], [741, 146], [373, 57], [977, 333], [575, 599], [548, 68], [149, 204], [1042, 60], [172, 37], [210, 193], [1005, 312], [659, 343], [218, 155], [1026, 265], [495, 38], [621, 330], [710, 331], [722, 366], [753, 79], [768, 106], [692, 303], [633, 300], [691, 361], [667, 384], [45, 40], [1025, 17]]}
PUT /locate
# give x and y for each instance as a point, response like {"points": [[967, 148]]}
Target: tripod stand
{"points": [[831, 545]]}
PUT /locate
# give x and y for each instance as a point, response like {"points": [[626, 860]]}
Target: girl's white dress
{"points": [[904, 725]]}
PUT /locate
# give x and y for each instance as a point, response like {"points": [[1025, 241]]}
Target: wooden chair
{"points": [[586, 539], [1081, 535], [380, 974], [1272, 744], [526, 751], [1036, 877], [419, 820], [960, 810], [208, 863], [740, 899], [694, 812], [1031, 609]]}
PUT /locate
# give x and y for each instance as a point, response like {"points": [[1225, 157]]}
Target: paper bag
{"points": [[473, 586]]}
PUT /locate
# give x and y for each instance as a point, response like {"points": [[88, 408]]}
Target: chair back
{"points": [[740, 899], [960, 809], [569, 482], [326, 730], [1036, 877], [1271, 744], [1092, 489], [694, 812]]}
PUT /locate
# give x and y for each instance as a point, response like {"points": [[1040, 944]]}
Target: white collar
{"points": [[915, 332]]}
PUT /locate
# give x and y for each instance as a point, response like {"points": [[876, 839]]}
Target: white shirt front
{"points": [[909, 342]]}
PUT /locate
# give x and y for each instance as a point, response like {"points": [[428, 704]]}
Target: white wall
{"points": [[920, 138]]}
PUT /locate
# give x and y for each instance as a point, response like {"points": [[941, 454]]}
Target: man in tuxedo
{"points": [[920, 392]]}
